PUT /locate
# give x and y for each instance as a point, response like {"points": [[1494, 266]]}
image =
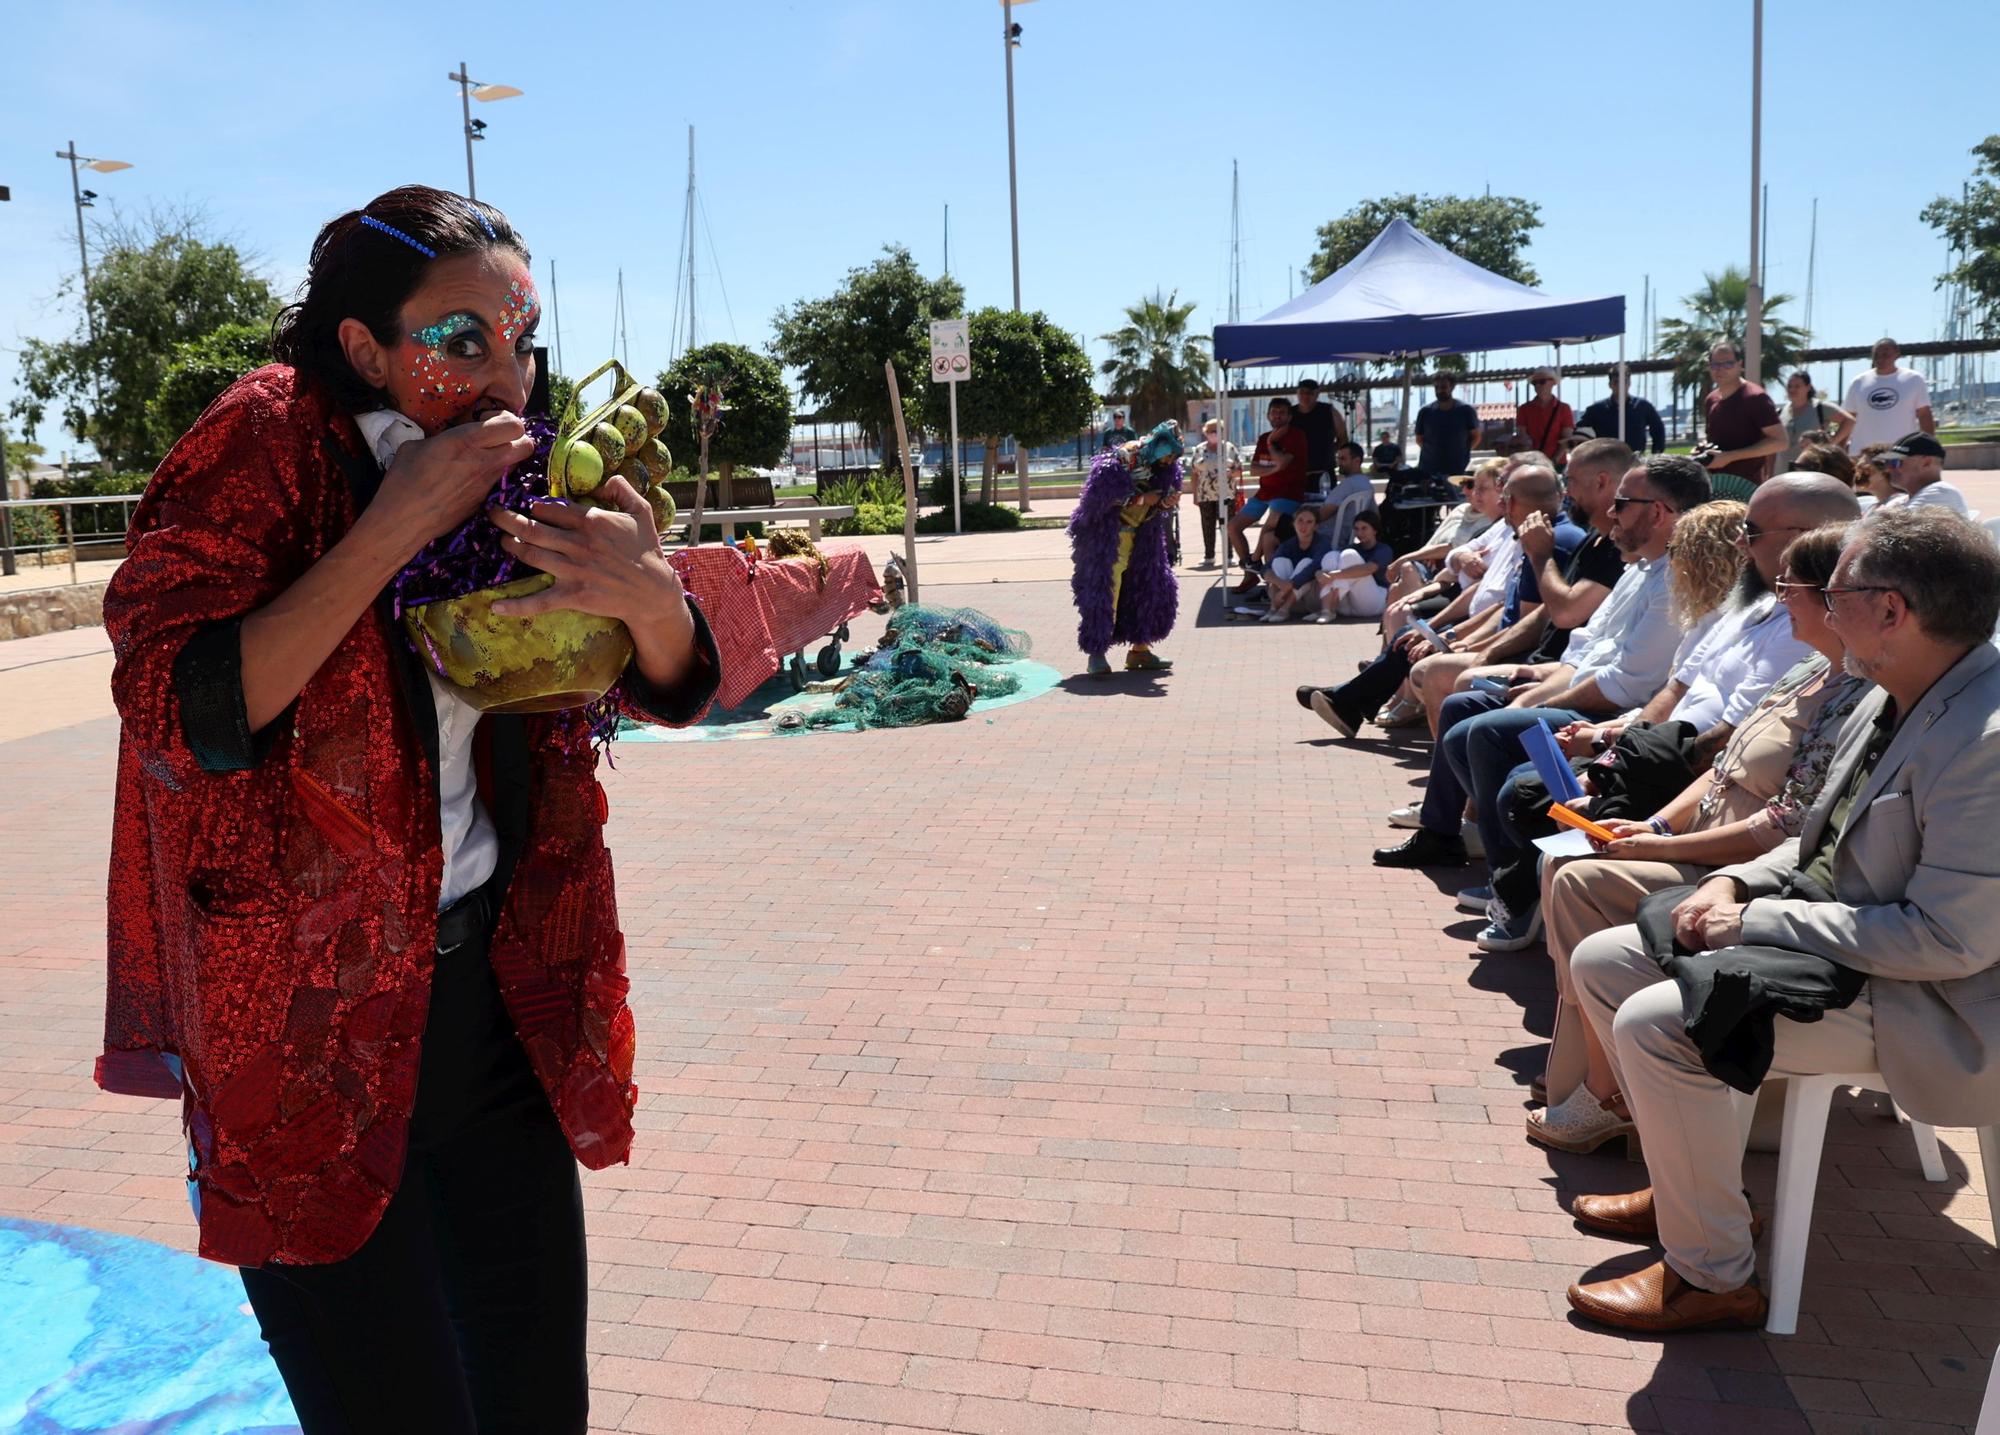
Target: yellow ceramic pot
{"points": [[542, 664]]}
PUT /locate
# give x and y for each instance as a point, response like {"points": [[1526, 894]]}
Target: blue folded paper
{"points": [[1550, 764]]}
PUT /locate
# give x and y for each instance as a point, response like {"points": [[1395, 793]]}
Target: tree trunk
{"points": [[988, 443], [727, 470]]}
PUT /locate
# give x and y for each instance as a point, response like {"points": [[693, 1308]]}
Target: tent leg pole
{"points": [[1228, 512], [1623, 379], [1403, 417]]}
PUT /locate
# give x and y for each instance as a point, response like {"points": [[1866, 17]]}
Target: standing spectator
{"points": [[1804, 412], [1915, 464], [1446, 429], [1642, 420], [1119, 432], [1356, 583], [1321, 424], [1352, 483], [1279, 464], [1887, 400], [1217, 467], [1743, 426], [1545, 420]]}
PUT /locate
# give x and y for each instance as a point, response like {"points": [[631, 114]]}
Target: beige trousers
{"points": [[1691, 1124], [1582, 895]]}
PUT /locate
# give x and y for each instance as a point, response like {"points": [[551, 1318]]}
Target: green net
{"points": [[931, 666]]}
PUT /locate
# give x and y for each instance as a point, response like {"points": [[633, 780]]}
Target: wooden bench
{"points": [[728, 518]]}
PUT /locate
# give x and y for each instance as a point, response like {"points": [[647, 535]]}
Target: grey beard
{"points": [[1855, 668]]}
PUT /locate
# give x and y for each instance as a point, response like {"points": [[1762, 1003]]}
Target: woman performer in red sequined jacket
{"points": [[279, 959]]}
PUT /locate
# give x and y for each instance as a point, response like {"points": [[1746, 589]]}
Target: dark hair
{"points": [[1352, 447], [1281, 402], [1812, 556], [1370, 516], [1946, 568], [1683, 481], [1825, 458], [1805, 378], [1611, 453], [358, 271], [1312, 384]]}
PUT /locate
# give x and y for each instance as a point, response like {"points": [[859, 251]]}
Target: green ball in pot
{"points": [[609, 443], [653, 404], [631, 427]]}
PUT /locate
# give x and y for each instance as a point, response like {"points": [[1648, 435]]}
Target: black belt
{"points": [[468, 919]]}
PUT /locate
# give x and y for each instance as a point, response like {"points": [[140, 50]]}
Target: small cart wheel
{"points": [[828, 661], [841, 633], [796, 671]]}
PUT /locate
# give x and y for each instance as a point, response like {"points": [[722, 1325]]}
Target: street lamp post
{"points": [[82, 198], [1753, 319], [1010, 38], [469, 90]]}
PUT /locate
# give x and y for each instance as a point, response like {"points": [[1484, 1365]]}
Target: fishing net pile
{"points": [[930, 666]]}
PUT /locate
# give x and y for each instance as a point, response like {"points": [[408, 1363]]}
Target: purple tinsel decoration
{"points": [[471, 556], [1149, 595]]}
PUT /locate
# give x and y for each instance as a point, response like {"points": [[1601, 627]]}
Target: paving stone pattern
{"points": [[1070, 1073]]}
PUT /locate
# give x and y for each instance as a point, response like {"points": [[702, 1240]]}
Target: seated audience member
{"points": [[1279, 465], [1827, 458], [1871, 479], [1715, 683], [1570, 583], [1619, 658], [1915, 465], [1528, 490], [1753, 798], [1294, 569], [1352, 584], [1351, 485], [1874, 926], [1414, 570]]}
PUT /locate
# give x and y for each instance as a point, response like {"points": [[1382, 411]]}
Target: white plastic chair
{"points": [[1808, 1099]]}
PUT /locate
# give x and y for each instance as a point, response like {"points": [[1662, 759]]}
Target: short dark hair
{"points": [[1312, 384], [1805, 378], [1280, 402], [1352, 447], [1370, 516], [1683, 481], [1946, 567], [360, 271], [1607, 452]]}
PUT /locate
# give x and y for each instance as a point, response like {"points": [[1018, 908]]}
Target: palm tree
{"points": [[1718, 313], [1155, 365]]}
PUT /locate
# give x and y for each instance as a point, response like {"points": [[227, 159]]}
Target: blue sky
{"points": [[830, 127]]}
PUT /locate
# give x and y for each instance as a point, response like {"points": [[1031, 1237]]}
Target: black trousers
{"points": [[1369, 689], [1211, 513], [463, 1314]]}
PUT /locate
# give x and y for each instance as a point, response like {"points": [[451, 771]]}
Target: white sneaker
{"points": [[1475, 845], [1276, 615], [1475, 899], [1407, 817], [1322, 616]]}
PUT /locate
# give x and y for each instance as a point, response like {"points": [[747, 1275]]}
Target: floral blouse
{"points": [[1793, 727], [1203, 464]]}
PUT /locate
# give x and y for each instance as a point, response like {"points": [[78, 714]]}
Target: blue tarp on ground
{"points": [[1407, 295]]}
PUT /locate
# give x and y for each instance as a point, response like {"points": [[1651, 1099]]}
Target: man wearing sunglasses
{"points": [[1743, 424], [1915, 465], [1869, 937]]}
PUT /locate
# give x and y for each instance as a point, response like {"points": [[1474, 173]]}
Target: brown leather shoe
{"points": [[1631, 1215], [1657, 1300]]}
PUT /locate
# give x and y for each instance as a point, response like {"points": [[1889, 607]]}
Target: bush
{"points": [[938, 489], [975, 518], [34, 527], [870, 519]]}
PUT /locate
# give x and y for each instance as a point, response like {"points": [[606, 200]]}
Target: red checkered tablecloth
{"points": [[763, 612]]}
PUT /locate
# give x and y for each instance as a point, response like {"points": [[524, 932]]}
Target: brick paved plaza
{"points": [[1068, 1072]]}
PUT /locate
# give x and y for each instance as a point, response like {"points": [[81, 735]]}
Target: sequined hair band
{"points": [[485, 223], [394, 233]]}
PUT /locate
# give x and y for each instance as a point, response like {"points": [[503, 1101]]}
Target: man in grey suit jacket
{"points": [[1903, 838]]}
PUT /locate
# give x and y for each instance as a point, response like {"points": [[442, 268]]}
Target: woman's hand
{"points": [[435, 484], [1576, 739], [1636, 840], [605, 561]]}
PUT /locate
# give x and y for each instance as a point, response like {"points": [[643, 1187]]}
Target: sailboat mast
{"points": [[1235, 246], [555, 317], [1812, 264], [690, 234]]}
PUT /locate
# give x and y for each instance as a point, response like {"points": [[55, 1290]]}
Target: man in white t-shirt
{"points": [[1887, 402]]}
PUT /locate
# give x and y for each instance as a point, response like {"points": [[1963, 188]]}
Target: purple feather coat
{"points": [[1149, 597]]}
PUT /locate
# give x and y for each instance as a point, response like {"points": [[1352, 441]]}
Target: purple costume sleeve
{"points": [[1149, 595]]}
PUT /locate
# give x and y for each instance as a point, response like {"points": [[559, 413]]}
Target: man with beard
{"points": [[1719, 678]]}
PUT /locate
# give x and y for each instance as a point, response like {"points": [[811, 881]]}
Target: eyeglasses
{"points": [[1722, 363], [1892, 464], [1828, 594], [1789, 588], [1619, 505], [1751, 532]]}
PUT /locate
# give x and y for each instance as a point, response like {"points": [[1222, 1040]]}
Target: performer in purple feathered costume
{"points": [[1124, 585]]}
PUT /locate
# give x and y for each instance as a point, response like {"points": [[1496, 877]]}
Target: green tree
{"points": [[1718, 312], [1972, 226], [156, 283], [1490, 230], [1156, 366], [1030, 378], [197, 372], [838, 344], [19, 458], [756, 424], [562, 388]]}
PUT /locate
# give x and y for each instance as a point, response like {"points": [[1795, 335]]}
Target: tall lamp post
{"points": [[1010, 39], [469, 90], [82, 198], [1753, 319]]}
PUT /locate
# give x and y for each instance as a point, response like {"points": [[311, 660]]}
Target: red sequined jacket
{"points": [[273, 895]]}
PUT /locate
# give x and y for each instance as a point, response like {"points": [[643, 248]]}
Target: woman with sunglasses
{"points": [[1753, 798]]}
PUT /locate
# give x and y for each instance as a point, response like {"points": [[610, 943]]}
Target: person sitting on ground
{"points": [[1915, 465], [1754, 797], [1279, 465], [1352, 584], [1571, 583], [1871, 932], [1422, 580], [1529, 490], [1351, 486], [1871, 479], [1620, 657], [1293, 570], [1719, 675]]}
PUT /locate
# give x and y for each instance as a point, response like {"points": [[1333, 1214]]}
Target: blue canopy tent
{"points": [[1407, 297]]}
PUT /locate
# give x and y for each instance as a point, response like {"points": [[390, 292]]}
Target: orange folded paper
{"points": [[1581, 823]]}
